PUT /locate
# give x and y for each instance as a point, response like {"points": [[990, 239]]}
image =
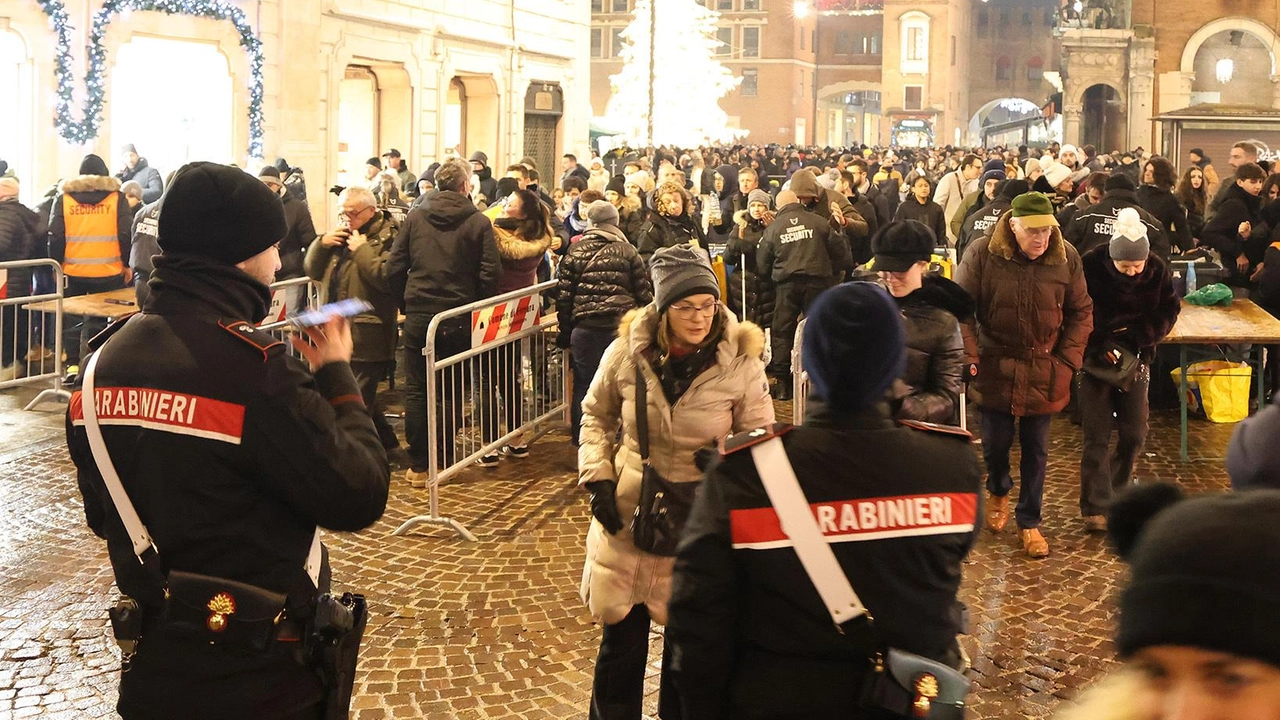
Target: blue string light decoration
{"points": [[86, 129]]}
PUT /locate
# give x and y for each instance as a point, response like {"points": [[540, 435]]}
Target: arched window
{"points": [[1004, 68], [1035, 69]]}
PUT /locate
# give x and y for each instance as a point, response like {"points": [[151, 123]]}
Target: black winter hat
{"points": [[270, 171], [219, 212], [854, 345], [617, 184], [93, 165], [1203, 570], [376, 162], [1013, 188], [1119, 181], [901, 244]]}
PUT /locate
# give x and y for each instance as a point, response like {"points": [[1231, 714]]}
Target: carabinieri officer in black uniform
{"points": [[898, 504], [231, 453]]}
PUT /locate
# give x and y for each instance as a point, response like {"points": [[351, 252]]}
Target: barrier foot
{"points": [[444, 522], [50, 395]]}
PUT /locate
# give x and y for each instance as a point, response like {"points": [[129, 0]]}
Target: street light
{"points": [[801, 9]]}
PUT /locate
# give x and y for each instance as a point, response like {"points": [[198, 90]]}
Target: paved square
{"points": [[495, 628]]}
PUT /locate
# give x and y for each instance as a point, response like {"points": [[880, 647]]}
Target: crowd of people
{"points": [[1030, 277]]}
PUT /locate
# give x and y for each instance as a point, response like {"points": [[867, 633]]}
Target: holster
{"points": [[332, 648]]}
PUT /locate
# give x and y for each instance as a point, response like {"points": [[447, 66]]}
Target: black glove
{"points": [[604, 504], [564, 337]]}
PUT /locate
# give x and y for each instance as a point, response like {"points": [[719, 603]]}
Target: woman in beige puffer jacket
{"points": [[624, 587]]}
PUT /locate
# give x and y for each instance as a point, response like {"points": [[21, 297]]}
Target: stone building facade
{"points": [[343, 81]]}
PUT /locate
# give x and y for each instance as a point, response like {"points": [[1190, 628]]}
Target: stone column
{"points": [[1142, 63], [1071, 125]]}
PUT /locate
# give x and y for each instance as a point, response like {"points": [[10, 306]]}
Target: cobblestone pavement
{"points": [[494, 628]]}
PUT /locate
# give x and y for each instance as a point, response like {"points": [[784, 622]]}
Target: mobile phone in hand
{"points": [[343, 308]]}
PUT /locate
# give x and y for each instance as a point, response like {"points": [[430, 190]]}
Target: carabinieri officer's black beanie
{"points": [[219, 212], [1205, 571]]}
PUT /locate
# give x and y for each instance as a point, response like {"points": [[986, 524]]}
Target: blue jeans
{"points": [[587, 346], [997, 440]]}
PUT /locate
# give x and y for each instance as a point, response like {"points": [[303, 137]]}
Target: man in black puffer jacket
{"points": [[445, 256], [600, 279], [1092, 228]]}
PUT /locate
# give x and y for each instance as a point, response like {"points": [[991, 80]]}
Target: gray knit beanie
{"points": [[681, 271], [602, 212], [1129, 237], [758, 196]]}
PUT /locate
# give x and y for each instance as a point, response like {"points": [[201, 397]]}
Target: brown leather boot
{"points": [[997, 512], [1034, 543]]}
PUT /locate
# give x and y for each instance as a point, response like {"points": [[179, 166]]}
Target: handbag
{"points": [[664, 506], [1114, 365], [900, 682]]}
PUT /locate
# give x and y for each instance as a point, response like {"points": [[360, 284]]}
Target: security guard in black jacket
{"points": [[804, 254], [231, 452], [899, 506]]}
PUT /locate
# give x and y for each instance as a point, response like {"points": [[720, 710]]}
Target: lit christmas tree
{"points": [[688, 80]]}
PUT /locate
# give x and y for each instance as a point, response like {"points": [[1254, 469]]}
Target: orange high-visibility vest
{"points": [[93, 239]]}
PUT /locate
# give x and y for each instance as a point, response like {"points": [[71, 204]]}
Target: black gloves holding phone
{"points": [[604, 504]]}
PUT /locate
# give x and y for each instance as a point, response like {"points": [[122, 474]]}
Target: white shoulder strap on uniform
{"points": [[799, 525], [138, 534]]}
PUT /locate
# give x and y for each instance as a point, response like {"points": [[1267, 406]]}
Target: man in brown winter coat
{"points": [[1028, 335]]}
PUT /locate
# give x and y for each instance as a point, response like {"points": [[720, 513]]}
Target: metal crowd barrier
{"points": [[25, 333], [510, 384], [799, 378], [286, 296]]}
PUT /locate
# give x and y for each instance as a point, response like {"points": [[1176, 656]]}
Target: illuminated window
{"points": [[597, 42], [913, 97], [1004, 68]]}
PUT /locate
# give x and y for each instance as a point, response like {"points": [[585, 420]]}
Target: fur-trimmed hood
{"points": [[639, 328], [1005, 244], [89, 183], [1111, 699], [514, 247]]}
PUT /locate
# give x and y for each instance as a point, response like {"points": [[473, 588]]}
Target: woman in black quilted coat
{"points": [[932, 309], [741, 253], [598, 281]]}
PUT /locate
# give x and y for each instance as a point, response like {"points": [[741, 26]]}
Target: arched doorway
{"points": [[375, 111], [1012, 121], [455, 118], [173, 100], [1233, 67], [1102, 119], [17, 130], [472, 117]]}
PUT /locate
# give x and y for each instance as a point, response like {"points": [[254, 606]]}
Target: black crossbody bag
{"points": [[664, 506]]}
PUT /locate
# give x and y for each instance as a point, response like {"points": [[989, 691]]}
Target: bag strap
{"points": [[798, 523], [642, 413], [143, 546]]}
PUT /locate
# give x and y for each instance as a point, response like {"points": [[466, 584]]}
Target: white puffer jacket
{"points": [[730, 396]]}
